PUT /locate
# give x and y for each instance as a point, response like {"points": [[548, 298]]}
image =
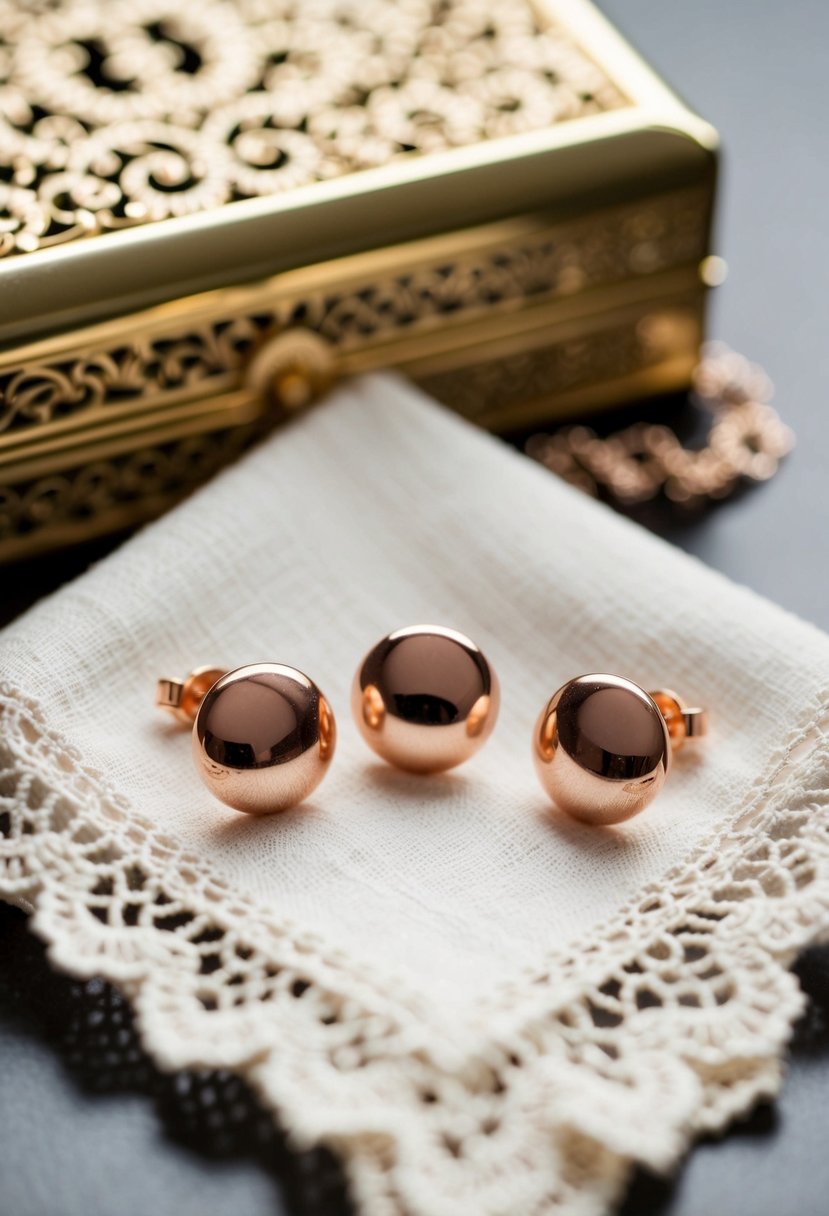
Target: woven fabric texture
{"points": [[481, 1005]]}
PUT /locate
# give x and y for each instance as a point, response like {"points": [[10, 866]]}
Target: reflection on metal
{"points": [[133, 112], [291, 370], [495, 197]]}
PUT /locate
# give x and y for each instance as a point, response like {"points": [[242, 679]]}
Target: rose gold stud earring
{"points": [[425, 698], [602, 745], [263, 735]]}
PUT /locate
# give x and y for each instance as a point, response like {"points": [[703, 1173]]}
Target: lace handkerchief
{"points": [[481, 1006]]}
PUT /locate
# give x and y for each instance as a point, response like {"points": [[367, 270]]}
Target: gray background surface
{"points": [[89, 1126], [758, 71]]}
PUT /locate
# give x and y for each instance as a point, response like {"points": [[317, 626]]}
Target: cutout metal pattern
{"points": [[141, 110]]}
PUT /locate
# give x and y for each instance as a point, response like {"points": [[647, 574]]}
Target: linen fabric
{"points": [[480, 1004]]}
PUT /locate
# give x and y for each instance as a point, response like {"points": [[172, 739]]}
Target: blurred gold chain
{"points": [[746, 442]]}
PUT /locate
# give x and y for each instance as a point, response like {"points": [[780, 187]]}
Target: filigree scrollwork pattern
{"points": [[631, 240], [137, 483], [494, 386], [149, 480], [144, 109]]}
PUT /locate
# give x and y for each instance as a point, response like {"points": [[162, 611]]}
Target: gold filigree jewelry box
{"points": [[209, 212]]}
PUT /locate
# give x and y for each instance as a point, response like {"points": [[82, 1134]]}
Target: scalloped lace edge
{"points": [[670, 1021]]}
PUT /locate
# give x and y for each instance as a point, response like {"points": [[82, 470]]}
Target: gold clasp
{"points": [[292, 370]]}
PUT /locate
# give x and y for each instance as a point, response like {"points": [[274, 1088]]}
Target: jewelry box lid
{"points": [[156, 151]]}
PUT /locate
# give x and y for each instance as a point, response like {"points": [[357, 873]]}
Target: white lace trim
{"points": [[671, 1020]]}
